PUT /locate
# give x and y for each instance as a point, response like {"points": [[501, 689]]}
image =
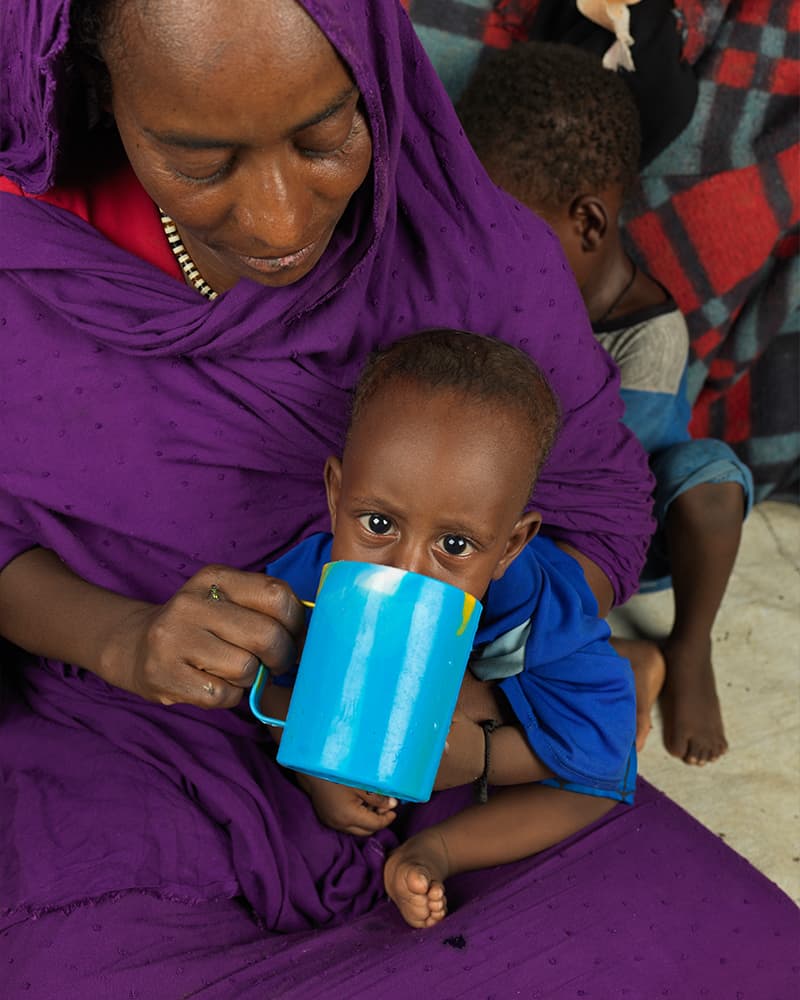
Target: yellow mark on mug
{"points": [[469, 607]]}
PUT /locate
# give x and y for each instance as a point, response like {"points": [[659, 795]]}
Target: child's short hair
{"points": [[482, 368], [550, 123]]}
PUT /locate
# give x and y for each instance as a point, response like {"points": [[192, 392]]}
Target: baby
{"points": [[448, 432], [561, 134]]}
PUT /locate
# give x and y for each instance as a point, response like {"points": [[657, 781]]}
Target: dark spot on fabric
{"points": [[457, 941]]}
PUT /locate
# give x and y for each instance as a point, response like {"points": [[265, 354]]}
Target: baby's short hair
{"points": [[550, 123], [481, 368]]}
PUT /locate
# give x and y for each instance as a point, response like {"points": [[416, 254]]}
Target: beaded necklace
{"points": [[187, 265]]}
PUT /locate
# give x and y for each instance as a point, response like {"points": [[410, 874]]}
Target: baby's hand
{"points": [[348, 809], [462, 760]]}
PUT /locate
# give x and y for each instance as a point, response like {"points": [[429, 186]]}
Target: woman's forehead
{"points": [[210, 35], [267, 70]]}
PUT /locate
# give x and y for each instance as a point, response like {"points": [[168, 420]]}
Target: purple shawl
{"points": [[145, 432]]}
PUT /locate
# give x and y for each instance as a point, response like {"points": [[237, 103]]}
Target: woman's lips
{"points": [[269, 265]]}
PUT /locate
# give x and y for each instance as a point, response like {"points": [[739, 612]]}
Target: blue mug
{"points": [[378, 679]]}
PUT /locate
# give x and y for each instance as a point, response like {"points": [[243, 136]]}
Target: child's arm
{"points": [[511, 760]]}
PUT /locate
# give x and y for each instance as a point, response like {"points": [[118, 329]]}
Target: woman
{"points": [[163, 438]]}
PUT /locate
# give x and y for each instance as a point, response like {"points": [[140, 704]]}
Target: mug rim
{"points": [[397, 571]]}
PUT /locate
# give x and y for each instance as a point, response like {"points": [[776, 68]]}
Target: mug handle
{"points": [[258, 687], [255, 699]]}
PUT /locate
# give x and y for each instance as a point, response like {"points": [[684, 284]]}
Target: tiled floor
{"points": [[751, 797]]}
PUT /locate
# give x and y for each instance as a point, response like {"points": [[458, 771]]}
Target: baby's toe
{"points": [[418, 881]]}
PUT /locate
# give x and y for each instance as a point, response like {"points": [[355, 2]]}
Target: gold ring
{"points": [[213, 593]]}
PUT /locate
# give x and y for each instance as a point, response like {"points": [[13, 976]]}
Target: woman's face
{"points": [[241, 123]]}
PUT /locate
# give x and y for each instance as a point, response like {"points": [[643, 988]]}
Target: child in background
{"points": [[561, 135], [448, 432]]}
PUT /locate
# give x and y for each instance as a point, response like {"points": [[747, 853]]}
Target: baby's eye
{"points": [[455, 545], [376, 524]]}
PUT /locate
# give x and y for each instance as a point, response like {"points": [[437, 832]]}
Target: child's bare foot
{"points": [[414, 879], [648, 667], [690, 710]]}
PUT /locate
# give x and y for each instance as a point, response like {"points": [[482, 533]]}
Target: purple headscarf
{"points": [[145, 432]]}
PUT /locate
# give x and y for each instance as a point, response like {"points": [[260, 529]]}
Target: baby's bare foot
{"points": [[414, 879], [690, 709], [648, 667]]}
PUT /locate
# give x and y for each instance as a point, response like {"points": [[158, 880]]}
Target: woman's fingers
{"points": [[232, 640], [205, 644], [259, 593], [253, 612], [188, 685]]}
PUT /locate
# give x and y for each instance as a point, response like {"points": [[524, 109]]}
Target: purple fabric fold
{"points": [[185, 805], [34, 87], [647, 903]]}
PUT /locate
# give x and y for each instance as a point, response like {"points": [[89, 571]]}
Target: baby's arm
{"points": [[510, 757]]}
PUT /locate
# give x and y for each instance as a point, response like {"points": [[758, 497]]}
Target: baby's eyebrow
{"points": [[373, 504]]}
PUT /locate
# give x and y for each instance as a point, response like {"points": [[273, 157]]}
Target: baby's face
{"points": [[434, 483]]}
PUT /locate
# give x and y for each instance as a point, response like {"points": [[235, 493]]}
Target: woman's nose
{"points": [[275, 208]]}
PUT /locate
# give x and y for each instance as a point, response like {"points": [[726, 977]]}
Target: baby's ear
{"points": [[526, 528], [589, 216], [333, 486]]}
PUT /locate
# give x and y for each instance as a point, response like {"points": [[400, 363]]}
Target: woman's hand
{"points": [[348, 809], [203, 646]]}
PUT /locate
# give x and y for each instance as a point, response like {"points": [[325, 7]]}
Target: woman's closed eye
{"points": [[376, 524], [455, 545], [330, 138], [205, 173]]}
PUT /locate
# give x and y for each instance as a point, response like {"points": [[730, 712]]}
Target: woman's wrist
{"points": [[116, 640], [49, 611]]}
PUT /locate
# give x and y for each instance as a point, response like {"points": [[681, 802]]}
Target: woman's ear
{"points": [[333, 486], [526, 528], [589, 217]]}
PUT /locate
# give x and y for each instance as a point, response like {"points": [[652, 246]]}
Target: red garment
{"points": [[120, 208]]}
